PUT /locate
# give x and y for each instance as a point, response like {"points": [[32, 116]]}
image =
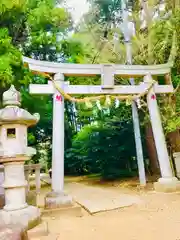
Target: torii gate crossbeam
{"points": [[69, 69]]}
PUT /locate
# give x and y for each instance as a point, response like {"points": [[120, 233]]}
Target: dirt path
{"points": [[98, 199], [156, 218]]}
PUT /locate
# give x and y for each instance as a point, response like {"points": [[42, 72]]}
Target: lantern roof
{"points": [[12, 113]]}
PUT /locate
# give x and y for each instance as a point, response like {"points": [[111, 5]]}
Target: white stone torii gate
{"points": [[107, 72]]}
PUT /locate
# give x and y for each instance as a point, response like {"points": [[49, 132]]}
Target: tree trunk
{"points": [[151, 150], [174, 140]]}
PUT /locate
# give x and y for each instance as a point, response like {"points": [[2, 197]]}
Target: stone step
{"points": [[51, 236], [40, 230], [74, 210]]}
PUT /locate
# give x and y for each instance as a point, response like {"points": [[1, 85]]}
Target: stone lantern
{"points": [[14, 151]]}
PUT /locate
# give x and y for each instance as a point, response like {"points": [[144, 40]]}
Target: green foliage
{"points": [[46, 17], [106, 10], [171, 111], [73, 51], [10, 58], [105, 146], [155, 43], [40, 29], [29, 27]]}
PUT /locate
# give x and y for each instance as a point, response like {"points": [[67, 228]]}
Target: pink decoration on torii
{"points": [[59, 98], [153, 96]]}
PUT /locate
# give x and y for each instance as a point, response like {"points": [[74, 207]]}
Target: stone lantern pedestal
{"points": [[16, 210], [14, 151]]}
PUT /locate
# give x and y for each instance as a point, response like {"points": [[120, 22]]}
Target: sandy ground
{"points": [[157, 217]]}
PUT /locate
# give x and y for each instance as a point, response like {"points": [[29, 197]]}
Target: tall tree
{"points": [[155, 41], [38, 29]]}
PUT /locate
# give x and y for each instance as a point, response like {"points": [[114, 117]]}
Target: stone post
{"points": [[27, 179], [2, 200], [167, 182], [1, 179], [57, 197], [38, 179]]}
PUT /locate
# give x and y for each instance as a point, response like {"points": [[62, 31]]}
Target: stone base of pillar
{"points": [[28, 217], [55, 200], [61, 204], [167, 185]]}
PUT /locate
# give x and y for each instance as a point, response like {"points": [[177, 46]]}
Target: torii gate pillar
{"points": [[57, 198], [167, 182]]}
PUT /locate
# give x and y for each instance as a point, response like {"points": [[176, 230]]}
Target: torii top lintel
{"points": [[97, 69]]}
